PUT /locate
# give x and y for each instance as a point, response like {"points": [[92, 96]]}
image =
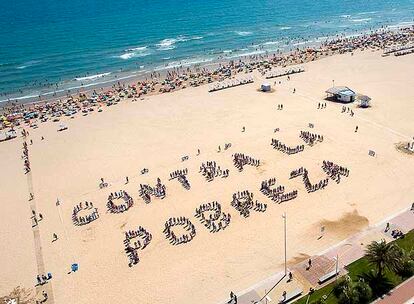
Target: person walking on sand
{"points": [[126, 180]]}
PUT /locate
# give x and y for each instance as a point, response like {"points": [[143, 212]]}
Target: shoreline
{"points": [[129, 77], [181, 78]]}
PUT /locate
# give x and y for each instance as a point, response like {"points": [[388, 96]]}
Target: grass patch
{"points": [[354, 270], [318, 294]]}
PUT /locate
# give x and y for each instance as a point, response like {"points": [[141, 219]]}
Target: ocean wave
{"points": [[302, 42], [361, 20], [243, 33], [182, 63], [401, 24], [169, 43], [141, 51], [227, 51], [139, 48], [92, 77], [272, 42], [284, 28], [19, 98], [28, 64], [345, 16], [248, 54], [367, 13]]}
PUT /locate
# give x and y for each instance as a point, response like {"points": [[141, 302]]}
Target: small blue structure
{"points": [[75, 267]]}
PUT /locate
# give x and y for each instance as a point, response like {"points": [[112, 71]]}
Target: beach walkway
{"points": [[47, 288], [335, 258], [403, 294]]}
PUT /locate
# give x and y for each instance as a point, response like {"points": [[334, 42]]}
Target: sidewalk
{"points": [[402, 294], [347, 251]]}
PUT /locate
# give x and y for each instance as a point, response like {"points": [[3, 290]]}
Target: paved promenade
{"points": [[402, 294], [347, 251]]}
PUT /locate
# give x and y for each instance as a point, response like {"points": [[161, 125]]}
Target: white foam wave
{"points": [[27, 64], [248, 54], [302, 42], [139, 48], [227, 51], [243, 33], [141, 51], [361, 20], [271, 42], [183, 63], [401, 24], [345, 16], [284, 28], [367, 13], [92, 77], [169, 43]]}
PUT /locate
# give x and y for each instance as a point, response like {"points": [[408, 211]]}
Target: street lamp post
{"points": [[284, 224]]}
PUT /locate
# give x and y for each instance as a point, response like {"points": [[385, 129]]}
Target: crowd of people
{"points": [[347, 110], [212, 217], [179, 238], [306, 181], [240, 160], [334, 171], [80, 220], [25, 158], [211, 170], [243, 203], [260, 207], [278, 145], [146, 191], [274, 193], [43, 279], [181, 176], [122, 195], [321, 105], [136, 240], [313, 187], [296, 172], [182, 77], [284, 197], [310, 138]]}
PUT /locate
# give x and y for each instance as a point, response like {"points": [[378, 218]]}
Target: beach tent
{"points": [[364, 101], [266, 87]]}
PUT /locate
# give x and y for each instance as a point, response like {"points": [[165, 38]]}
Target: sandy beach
{"points": [[156, 132]]}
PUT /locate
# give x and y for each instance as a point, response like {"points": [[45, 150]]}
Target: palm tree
{"points": [[405, 266], [350, 292], [379, 284], [383, 255]]}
